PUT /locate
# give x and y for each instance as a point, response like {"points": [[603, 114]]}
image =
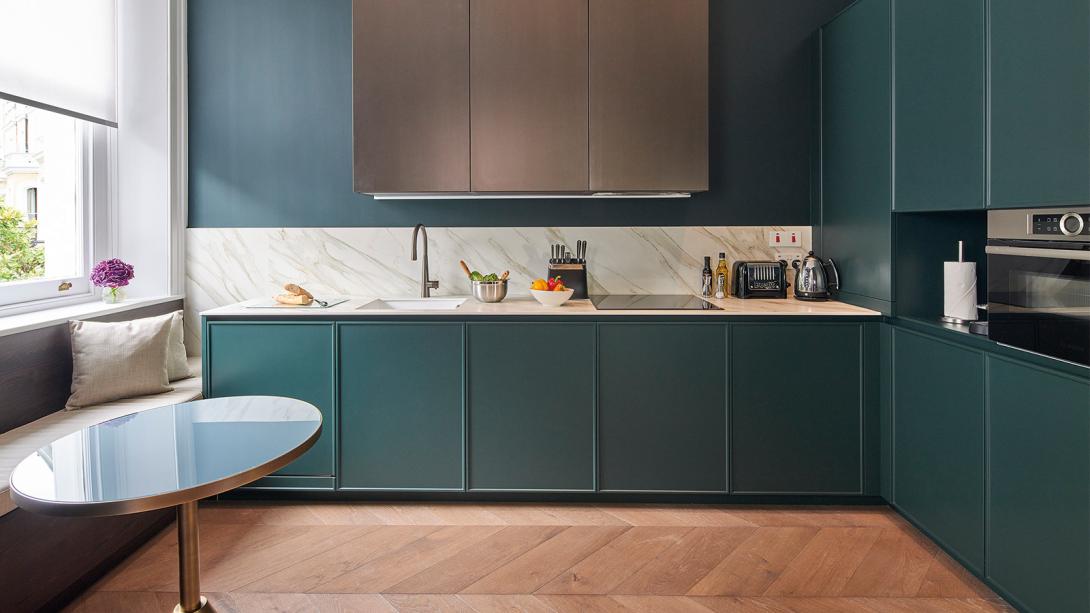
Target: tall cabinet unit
{"points": [[856, 140], [529, 95], [939, 89], [1039, 68], [410, 61]]}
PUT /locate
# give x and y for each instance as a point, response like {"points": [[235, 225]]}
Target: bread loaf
{"points": [[296, 299], [297, 290]]}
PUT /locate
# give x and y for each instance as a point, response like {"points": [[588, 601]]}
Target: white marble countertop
{"points": [[527, 306]]}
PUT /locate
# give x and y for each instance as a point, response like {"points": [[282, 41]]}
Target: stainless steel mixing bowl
{"points": [[489, 291]]}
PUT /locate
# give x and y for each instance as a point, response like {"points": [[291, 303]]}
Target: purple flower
{"points": [[111, 273]]}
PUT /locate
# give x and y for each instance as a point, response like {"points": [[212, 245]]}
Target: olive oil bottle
{"points": [[722, 277]]}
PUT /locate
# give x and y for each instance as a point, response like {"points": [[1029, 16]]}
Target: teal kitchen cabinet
{"points": [[796, 408], [278, 359], [401, 406], [938, 405], [856, 141], [1040, 92], [1038, 500], [531, 406], [662, 407], [939, 120]]}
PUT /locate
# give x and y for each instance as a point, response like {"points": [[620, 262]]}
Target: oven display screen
{"points": [[1050, 224]]}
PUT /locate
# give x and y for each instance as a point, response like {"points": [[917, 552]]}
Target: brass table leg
{"points": [[189, 561]]}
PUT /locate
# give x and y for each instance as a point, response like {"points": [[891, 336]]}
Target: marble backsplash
{"points": [[228, 265]]}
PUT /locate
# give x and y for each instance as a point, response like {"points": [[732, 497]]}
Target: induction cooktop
{"points": [[651, 302]]}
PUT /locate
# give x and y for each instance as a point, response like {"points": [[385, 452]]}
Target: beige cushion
{"points": [[177, 366], [118, 360], [22, 441]]}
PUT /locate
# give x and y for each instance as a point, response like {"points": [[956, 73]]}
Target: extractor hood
{"points": [[523, 195]]}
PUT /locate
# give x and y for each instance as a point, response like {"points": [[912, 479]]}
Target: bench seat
{"points": [[22, 441]]}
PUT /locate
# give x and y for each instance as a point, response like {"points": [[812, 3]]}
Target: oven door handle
{"points": [[1056, 254]]}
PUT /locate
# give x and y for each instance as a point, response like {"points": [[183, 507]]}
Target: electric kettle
{"points": [[812, 278]]}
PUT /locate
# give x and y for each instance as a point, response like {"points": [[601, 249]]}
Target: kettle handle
{"points": [[835, 283]]}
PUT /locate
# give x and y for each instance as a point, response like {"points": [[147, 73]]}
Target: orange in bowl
{"points": [[552, 298]]}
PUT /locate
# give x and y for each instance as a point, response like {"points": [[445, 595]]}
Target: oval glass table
{"points": [[172, 455]]}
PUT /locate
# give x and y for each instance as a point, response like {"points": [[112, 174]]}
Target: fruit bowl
{"points": [[552, 298]]}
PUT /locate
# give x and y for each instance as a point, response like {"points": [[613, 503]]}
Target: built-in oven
{"points": [[1039, 281]]}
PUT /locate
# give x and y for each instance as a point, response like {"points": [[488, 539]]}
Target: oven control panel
{"points": [[1060, 224]]}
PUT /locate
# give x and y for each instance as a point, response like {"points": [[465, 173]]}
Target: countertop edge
{"points": [[525, 307], [960, 335]]}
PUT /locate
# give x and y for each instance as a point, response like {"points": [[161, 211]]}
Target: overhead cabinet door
{"points": [[528, 81], [648, 95], [939, 87], [1040, 96], [411, 95]]}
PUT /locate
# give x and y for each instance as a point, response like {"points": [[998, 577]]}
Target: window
{"points": [[45, 206], [58, 113], [32, 204]]}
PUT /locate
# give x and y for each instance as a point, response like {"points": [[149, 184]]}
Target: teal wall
{"points": [[270, 132]]}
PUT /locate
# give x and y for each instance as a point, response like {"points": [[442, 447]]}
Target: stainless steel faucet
{"points": [[426, 285]]}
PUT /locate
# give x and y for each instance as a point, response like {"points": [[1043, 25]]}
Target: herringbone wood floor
{"points": [[531, 557]]}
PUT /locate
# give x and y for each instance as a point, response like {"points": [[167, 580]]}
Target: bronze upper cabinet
{"points": [[532, 96], [411, 106], [648, 95], [528, 89]]}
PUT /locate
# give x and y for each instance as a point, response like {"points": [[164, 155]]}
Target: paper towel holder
{"points": [[957, 320]]}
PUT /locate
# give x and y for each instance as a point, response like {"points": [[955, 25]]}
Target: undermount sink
{"points": [[415, 304]]}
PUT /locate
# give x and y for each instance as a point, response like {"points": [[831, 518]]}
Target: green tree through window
{"points": [[20, 258]]}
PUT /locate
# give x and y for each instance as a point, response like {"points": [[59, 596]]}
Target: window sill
{"points": [[22, 322]]}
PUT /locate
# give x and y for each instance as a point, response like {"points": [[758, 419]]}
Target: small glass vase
{"points": [[112, 295]]}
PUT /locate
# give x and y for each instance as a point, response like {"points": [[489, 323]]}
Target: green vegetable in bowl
{"points": [[477, 276]]}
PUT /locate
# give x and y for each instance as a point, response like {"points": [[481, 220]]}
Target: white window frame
{"points": [[95, 202]]}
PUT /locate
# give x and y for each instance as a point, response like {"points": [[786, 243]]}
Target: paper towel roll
{"points": [[959, 290]]}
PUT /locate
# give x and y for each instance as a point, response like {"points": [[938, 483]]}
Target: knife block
{"points": [[574, 277]]}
